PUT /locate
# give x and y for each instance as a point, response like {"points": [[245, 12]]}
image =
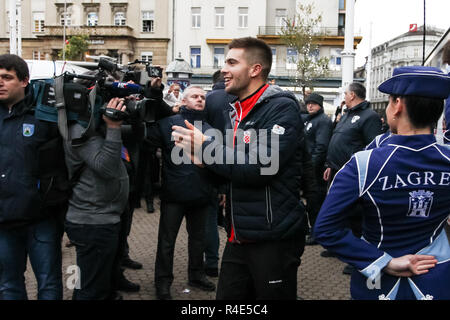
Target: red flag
{"points": [[413, 27]]}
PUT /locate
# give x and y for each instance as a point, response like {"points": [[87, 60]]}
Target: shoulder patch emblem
{"points": [[27, 129]]}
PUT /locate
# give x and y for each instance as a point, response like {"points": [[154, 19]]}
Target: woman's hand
{"points": [[410, 265]]}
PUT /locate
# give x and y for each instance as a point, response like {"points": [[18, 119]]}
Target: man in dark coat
{"points": [[186, 191], [318, 129]]}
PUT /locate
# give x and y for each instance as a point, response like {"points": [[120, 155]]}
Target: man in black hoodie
{"points": [[186, 191]]}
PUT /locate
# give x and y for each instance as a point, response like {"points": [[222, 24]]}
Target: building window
{"points": [[243, 17], [92, 19], [219, 57], [195, 57], [65, 19], [341, 24], [335, 59], [220, 17], [37, 55], [39, 18], [196, 17], [341, 4], [280, 17], [119, 19], [148, 21], [147, 56], [291, 59]]}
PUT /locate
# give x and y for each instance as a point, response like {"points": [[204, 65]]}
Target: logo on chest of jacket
{"points": [[420, 203], [247, 137], [27, 129], [355, 118], [308, 126]]}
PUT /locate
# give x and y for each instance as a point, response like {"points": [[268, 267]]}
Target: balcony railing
{"points": [[104, 31], [276, 31]]}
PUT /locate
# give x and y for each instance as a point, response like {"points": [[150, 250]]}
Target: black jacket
{"points": [[21, 136], [181, 182], [318, 130], [357, 128], [265, 205], [218, 107]]}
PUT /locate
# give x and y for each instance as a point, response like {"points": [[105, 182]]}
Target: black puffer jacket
{"points": [[181, 182], [357, 128], [265, 205]]}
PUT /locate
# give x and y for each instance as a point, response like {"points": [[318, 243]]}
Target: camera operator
{"points": [[99, 197]]}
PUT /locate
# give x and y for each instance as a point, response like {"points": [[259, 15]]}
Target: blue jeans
{"points": [[42, 243]]}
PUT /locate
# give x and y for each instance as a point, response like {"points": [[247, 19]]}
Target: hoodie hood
{"points": [[274, 91]]}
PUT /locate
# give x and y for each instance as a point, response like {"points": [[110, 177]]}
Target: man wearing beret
{"points": [[318, 129]]}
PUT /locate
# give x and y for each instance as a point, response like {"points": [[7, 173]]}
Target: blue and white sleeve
{"points": [[331, 229]]}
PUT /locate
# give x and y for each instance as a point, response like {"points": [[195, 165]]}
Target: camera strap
{"points": [[61, 107]]}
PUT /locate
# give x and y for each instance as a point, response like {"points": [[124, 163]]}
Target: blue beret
{"points": [[420, 81]]}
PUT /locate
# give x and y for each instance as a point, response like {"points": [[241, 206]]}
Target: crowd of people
{"points": [[285, 175]]}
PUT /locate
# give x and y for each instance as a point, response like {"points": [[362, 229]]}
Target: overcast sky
{"points": [[391, 18]]}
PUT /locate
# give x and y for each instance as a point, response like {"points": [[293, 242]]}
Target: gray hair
{"points": [[358, 89], [192, 86]]}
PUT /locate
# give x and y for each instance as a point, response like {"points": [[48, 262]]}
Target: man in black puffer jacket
{"points": [[186, 191], [266, 217]]}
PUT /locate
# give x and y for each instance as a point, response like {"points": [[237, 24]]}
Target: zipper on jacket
{"points": [[231, 211], [269, 214]]}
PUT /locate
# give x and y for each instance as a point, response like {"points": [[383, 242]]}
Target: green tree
{"points": [[76, 48], [302, 33]]}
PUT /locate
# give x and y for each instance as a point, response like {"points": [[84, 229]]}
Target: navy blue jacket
{"points": [[447, 121], [21, 135], [181, 182], [264, 205], [404, 188]]}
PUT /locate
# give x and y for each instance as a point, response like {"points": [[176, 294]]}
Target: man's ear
{"points": [[255, 70], [25, 82]]}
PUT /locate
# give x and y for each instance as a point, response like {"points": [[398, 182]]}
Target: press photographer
{"points": [[102, 156]]}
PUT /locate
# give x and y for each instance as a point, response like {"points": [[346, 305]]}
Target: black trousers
{"points": [[126, 219], [96, 247], [261, 271], [171, 217]]}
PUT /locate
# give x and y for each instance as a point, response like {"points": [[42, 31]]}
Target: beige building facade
{"points": [[123, 29]]}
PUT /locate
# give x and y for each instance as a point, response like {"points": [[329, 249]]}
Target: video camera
{"points": [[112, 81]]}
